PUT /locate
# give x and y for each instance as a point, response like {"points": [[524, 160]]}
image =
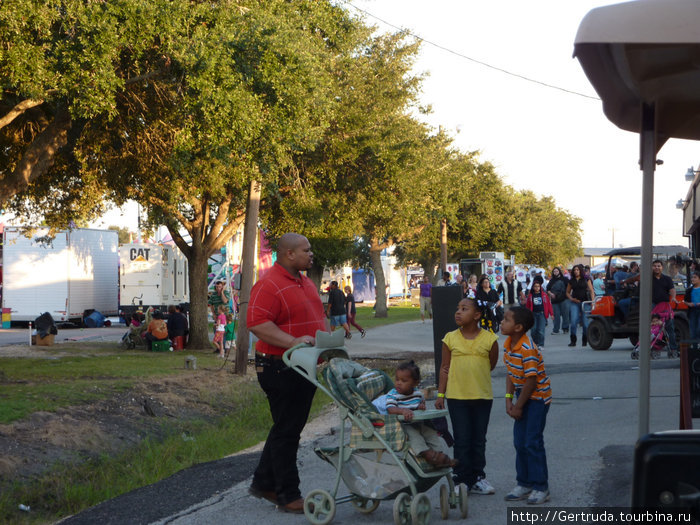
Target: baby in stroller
{"points": [[661, 313], [403, 399]]}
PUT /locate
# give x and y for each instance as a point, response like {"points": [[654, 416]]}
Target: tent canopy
{"points": [[647, 51]]}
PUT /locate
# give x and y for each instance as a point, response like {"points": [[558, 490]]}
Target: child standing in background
{"points": [[528, 395], [539, 304], [220, 328], [469, 354], [229, 333]]}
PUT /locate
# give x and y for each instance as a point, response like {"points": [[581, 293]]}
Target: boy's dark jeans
{"points": [[290, 397], [470, 420], [530, 457], [537, 331]]}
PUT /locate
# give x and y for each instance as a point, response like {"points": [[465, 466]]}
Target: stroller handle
{"points": [[304, 358]]}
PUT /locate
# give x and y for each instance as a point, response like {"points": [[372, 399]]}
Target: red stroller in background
{"points": [[661, 313]]}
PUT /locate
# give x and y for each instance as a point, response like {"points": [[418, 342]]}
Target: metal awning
{"points": [[643, 59]]}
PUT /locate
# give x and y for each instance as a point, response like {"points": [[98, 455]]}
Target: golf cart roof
{"points": [[657, 250]]}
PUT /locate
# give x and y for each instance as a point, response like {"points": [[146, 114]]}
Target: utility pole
{"points": [[250, 234], [443, 246]]}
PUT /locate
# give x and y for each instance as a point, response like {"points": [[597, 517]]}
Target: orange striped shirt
{"points": [[525, 360]]}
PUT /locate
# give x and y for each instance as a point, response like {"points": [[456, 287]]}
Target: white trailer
{"points": [[75, 271], [152, 275]]}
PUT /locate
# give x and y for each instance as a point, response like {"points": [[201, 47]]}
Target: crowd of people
{"points": [[560, 296]]}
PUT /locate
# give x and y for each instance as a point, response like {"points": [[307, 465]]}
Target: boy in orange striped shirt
{"points": [[528, 395]]}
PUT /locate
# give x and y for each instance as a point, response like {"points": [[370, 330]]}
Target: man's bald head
{"points": [[294, 253], [289, 241]]}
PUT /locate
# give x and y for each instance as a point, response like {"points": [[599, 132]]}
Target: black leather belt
{"points": [[271, 357]]}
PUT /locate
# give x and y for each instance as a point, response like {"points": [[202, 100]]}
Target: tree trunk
{"points": [[250, 235], [375, 258], [315, 273], [199, 326]]}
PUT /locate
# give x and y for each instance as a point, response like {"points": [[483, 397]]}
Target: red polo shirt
{"points": [[292, 304]]}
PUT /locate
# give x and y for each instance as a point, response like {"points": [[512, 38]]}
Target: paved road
{"points": [[591, 431]]}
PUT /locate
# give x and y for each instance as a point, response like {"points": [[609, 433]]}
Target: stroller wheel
{"points": [[364, 505], [420, 509], [130, 345], [402, 509], [463, 493], [444, 502], [319, 507], [635, 354]]}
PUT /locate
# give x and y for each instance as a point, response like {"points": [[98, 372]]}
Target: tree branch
{"points": [[18, 110], [38, 157]]}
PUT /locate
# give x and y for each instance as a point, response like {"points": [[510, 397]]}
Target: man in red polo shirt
{"points": [[284, 310]]}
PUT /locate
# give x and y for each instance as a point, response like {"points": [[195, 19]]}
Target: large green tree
{"points": [[227, 92], [355, 183]]}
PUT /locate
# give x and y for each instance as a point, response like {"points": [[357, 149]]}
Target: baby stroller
{"points": [[138, 324], [661, 313], [376, 463]]}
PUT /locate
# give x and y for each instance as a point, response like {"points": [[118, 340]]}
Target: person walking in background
{"points": [[692, 299], [528, 396], [556, 289], [469, 354], [229, 333], [599, 284], [511, 291], [336, 309], [541, 307], [220, 296], [445, 281], [578, 290], [426, 299], [285, 310], [351, 311], [473, 283], [220, 329]]}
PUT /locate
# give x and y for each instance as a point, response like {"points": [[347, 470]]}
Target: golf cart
{"points": [[607, 320]]}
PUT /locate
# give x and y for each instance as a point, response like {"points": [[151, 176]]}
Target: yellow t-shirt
{"points": [[470, 368]]}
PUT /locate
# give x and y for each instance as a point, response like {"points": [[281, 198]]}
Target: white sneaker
{"points": [[518, 493], [482, 486], [538, 497]]}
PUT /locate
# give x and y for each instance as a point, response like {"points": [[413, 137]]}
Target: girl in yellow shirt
{"points": [[469, 354]]}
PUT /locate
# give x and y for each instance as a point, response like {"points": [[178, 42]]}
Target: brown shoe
{"points": [[293, 507], [269, 495]]}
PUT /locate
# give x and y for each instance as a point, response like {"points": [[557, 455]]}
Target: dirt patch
{"points": [[75, 434]]}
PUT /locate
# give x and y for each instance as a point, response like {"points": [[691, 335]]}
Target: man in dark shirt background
{"points": [[336, 309]]}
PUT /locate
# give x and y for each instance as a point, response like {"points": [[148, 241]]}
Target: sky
{"points": [[541, 139]]}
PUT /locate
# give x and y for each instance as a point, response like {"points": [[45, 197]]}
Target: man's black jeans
{"points": [[290, 397]]}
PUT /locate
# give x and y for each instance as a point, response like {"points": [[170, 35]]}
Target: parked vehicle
{"points": [[151, 275], [607, 321], [75, 271]]}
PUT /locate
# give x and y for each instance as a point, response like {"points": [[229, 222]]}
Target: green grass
{"points": [[32, 385], [88, 372], [68, 489], [397, 314]]}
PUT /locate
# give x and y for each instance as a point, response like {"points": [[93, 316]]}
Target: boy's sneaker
{"points": [[482, 486], [518, 493], [537, 497]]}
